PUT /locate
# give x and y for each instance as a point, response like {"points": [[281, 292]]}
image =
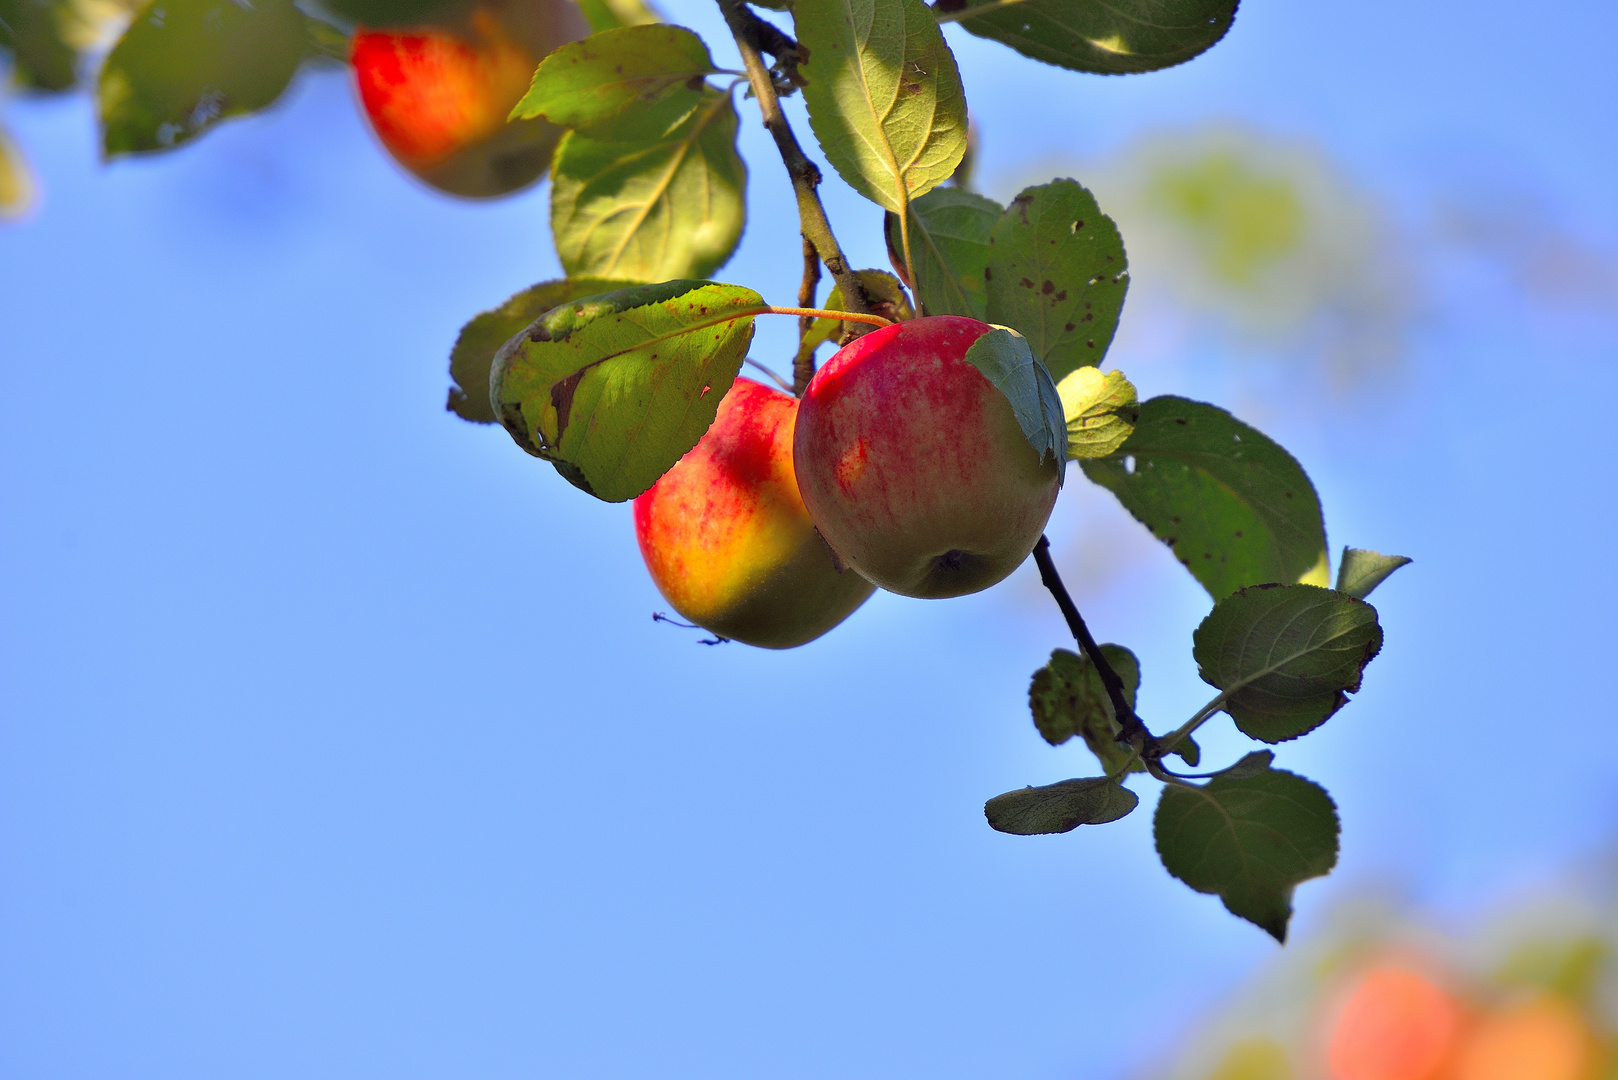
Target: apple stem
{"points": [[1130, 726], [753, 34], [818, 313]]}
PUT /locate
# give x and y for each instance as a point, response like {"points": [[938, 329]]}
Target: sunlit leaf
{"points": [[1286, 656], [654, 208], [1108, 37], [884, 95], [482, 336], [1059, 808], [184, 65], [1101, 410], [618, 84], [614, 389], [1251, 840], [608, 14], [1362, 570], [1057, 274], [949, 240], [1232, 504], [1068, 698], [1004, 358]]}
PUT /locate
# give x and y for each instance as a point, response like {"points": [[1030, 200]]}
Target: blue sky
{"points": [[336, 739]]}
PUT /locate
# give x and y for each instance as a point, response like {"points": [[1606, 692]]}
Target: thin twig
{"points": [[803, 364], [805, 176], [782, 383], [1129, 724]]}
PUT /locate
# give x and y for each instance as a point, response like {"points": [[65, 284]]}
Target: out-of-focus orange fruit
{"points": [[1395, 1024], [1544, 1039]]}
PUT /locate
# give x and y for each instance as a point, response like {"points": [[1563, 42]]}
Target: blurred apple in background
{"points": [[726, 536], [437, 91], [913, 465]]}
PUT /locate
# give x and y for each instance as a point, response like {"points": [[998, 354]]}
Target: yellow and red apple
{"points": [[913, 466], [726, 536], [437, 94]]}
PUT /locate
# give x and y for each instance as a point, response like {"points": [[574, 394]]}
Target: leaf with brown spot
{"points": [[1045, 271], [614, 389]]}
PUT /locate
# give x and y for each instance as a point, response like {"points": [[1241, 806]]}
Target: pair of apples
{"points": [[902, 467]]}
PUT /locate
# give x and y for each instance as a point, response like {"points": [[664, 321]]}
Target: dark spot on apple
{"points": [[958, 572], [1048, 287]]}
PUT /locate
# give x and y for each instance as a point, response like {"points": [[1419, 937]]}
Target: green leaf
{"points": [[1250, 840], [1235, 508], [1188, 751], [184, 65], [41, 57], [1057, 273], [1362, 570], [1067, 698], [1059, 808], [949, 240], [651, 209], [1006, 361], [16, 181], [1285, 656], [608, 14], [621, 83], [884, 95], [614, 389], [375, 14], [1100, 409], [887, 298], [471, 359], [1249, 765], [1106, 37]]}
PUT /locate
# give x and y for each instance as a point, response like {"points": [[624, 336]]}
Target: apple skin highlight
{"points": [[726, 536], [913, 466]]}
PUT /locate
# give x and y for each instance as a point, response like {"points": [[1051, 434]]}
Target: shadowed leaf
{"points": [[1362, 570], [614, 389], [949, 240], [1251, 840], [184, 65], [1100, 409], [651, 209], [635, 80], [1057, 274], [1006, 361], [1115, 37], [1232, 504], [1059, 808], [41, 57], [884, 95], [1285, 656], [473, 356], [610, 14], [1067, 698]]}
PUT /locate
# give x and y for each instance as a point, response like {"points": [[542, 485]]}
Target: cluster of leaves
{"points": [[613, 373]]}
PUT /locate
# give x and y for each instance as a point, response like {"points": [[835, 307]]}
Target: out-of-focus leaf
{"points": [[1004, 358], [184, 65], [1108, 37], [949, 239], [651, 209], [1234, 506], [41, 56], [629, 82], [1362, 570], [614, 389], [610, 14], [1059, 808], [16, 181], [1057, 274], [884, 95], [1251, 840], [1286, 656], [481, 338], [1101, 411]]}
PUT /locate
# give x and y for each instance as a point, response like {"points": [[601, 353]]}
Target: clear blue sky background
{"points": [[336, 740]]}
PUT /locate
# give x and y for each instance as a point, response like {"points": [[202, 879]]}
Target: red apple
{"points": [[913, 466], [727, 539], [438, 94]]}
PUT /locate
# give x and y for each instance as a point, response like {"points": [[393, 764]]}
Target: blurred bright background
{"points": [[336, 738]]}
